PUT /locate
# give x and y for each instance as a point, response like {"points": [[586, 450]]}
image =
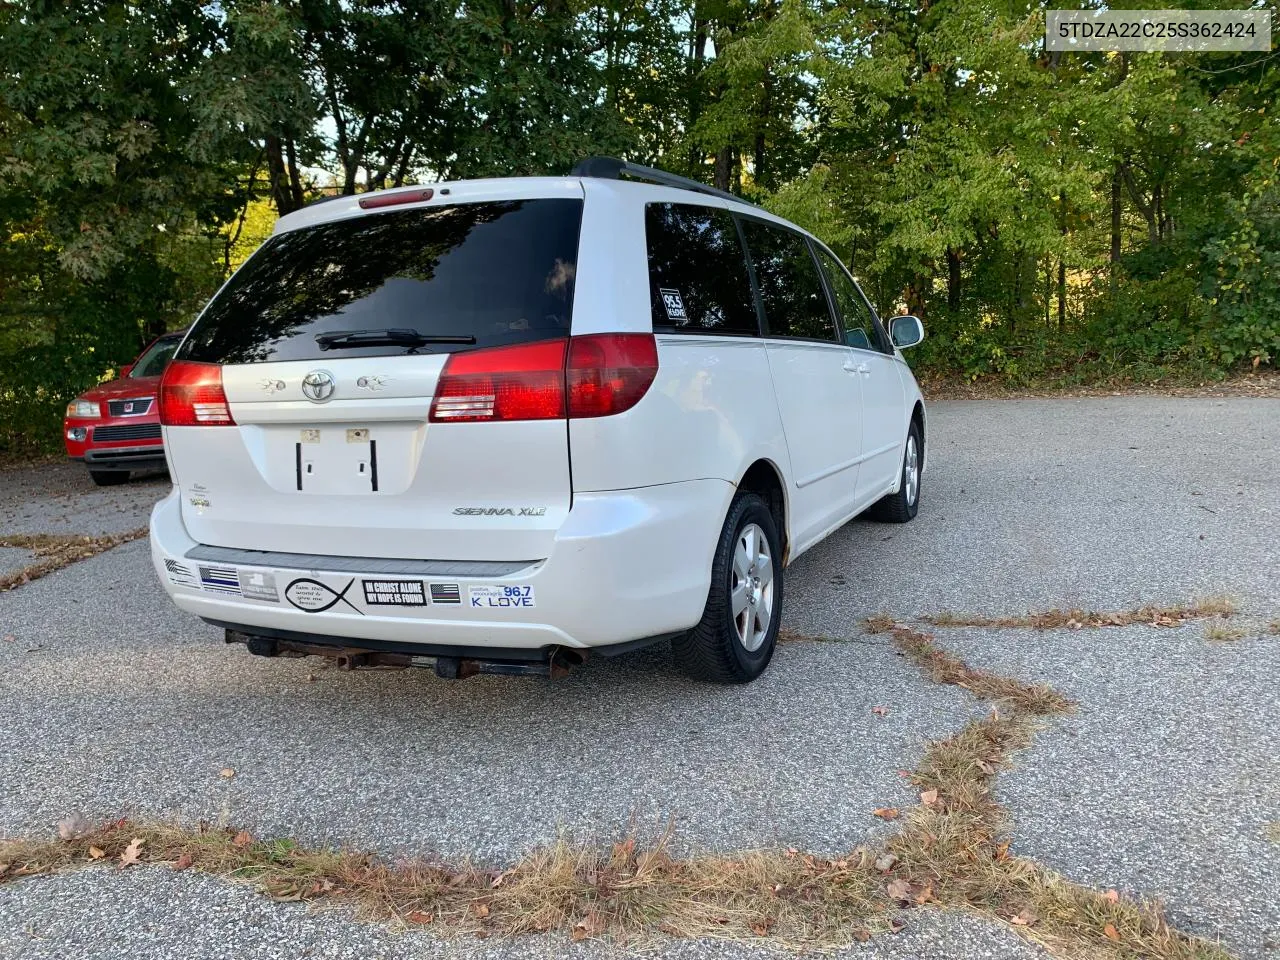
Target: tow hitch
{"points": [[553, 664]]}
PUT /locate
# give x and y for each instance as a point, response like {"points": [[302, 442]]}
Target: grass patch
{"points": [[1221, 633], [1273, 832], [941, 666], [624, 891], [1077, 619], [54, 551]]}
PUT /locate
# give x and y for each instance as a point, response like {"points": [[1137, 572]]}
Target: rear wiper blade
{"points": [[392, 337]]}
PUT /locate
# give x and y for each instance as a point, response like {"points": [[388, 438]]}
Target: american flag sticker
{"points": [[446, 593], [220, 580], [179, 573]]}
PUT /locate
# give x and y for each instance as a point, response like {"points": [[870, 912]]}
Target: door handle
{"points": [[862, 368]]}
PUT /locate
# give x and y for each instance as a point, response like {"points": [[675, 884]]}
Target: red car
{"points": [[115, 427]]}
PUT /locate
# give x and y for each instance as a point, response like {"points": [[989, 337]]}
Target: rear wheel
{"points": [[109, 478], [902, 506], [734, 641]]}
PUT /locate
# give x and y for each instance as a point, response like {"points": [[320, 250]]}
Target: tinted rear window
{"points": [[500, 272]]}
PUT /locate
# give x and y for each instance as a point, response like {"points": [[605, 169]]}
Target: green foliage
{"points": [[1245, 278]]}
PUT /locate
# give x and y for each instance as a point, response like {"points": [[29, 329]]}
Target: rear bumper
{"points": [[625, 565]]}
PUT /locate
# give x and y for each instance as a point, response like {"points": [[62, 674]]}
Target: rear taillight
{"points": [[524, 382], [191, 395], [591, 376], [609, 373]]}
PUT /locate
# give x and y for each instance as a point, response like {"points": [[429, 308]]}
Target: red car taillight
{"points": [[191, 395], [609, 373], [591, 376]]}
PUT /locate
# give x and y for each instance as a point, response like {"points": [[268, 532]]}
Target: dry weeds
{"points": [[1220, 633], [54, 551], [1077, 619], [943, 667], [623, 891]]}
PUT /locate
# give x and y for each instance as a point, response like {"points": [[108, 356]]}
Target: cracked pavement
{"points": [[117, 703]]}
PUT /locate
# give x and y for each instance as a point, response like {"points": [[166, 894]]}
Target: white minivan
{"points": [[492, 425]]}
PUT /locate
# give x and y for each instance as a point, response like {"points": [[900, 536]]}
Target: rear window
{"points": [[500, 273]]}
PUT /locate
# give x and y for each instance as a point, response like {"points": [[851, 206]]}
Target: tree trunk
{"points": [[1116, 211], [724, 167], [1062, 294], [953, 281], [283, 194]]}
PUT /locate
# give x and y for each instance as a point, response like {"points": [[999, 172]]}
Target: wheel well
{"points": [[762, 478], [917, 417]]}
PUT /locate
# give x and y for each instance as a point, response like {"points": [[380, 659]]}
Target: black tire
{"points": [[902, 506], [109, 478], [714, 650]]}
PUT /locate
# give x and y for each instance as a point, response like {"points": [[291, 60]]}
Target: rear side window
{"points": [[698, 279], [500, 273], [860, 327], [795, 303]]}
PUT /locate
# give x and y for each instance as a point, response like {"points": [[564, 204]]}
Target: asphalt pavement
{"points": [[116, 703]]}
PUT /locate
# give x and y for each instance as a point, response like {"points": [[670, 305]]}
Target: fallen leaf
{"points": [[885, 813], [242, 839], [419, 916], [481, 910], [886, 862], [762, 928], [1025, 918], [925, 895], [1111, 932], [226, 773], [929, 797], [880, 711], [4, 868], [183, 862], [1113, 896], [9, 638], [898, 889], [96, 853], [132, 853]]}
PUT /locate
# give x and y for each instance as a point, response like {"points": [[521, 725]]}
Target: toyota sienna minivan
{"points": [[492, 425]]}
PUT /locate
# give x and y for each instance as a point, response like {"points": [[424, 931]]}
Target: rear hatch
{"points": [[310, 409]]}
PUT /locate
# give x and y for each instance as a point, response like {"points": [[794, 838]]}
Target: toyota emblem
{"points": [[318, 385]]}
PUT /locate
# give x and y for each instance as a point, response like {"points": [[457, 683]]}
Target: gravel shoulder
{"points": [[59, 497]]}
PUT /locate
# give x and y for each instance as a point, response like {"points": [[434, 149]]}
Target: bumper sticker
{"points": [[220, 580], [394, 593], [446, 593], [180, 574], [312, 596], [256, 585], [520, 596]]}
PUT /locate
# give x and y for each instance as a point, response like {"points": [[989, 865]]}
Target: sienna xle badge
{"points": [[492, 426]]}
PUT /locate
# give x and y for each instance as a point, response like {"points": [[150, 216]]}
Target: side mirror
{"points": [[126, 370], [906, 331]]}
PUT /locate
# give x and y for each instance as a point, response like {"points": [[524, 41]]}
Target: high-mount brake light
{"points": [[395, 199], [191, 395], [591, 376]]}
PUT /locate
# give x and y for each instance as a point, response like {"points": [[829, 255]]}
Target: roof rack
{"points": [[611, 168]]}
